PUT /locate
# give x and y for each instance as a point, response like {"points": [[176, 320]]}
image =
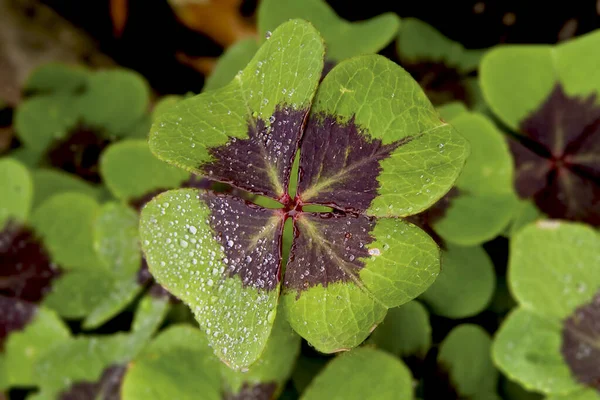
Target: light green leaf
{"points": [[48, 182], [149, 315], [344, 39], [178, 364], [115, 100], [525, 213], [516, 79], [362, 374], [80, 291], [452, 110], [586, 394], [230, 63], [164, 103], [24, 348], [130, 170], [405, 331], [465, 285], [465, 354], [116, 239], [554, 267], [66, 224], [189, 258], [527, 349], [17, 188], [41, 120], [341, 314], [486, 200], [273, 367], [420, 42], [57, 77]]}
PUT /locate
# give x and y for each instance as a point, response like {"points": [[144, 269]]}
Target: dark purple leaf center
{"points": [[15, 314], [581, 343], [558, 158], [79, 153], [26, 271], [108, 387]]}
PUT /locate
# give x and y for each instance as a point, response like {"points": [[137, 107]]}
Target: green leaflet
{"points": [[189, 261], [362, 374], [17, 191], [465, 354], [427, 154], [465, 285], [233, 60], [66, 224], [342, 314], [114, 100], [343, 39], [532, 72], [419, 42], [24, 348], [527, 349], [178, 364], [486, 200], [42, 119], [273, 368], [544, 344], [552, 267], [48, 182], [56, 77], [405, 331], [144, 173]]}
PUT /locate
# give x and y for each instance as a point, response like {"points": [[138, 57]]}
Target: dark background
{"points": [[153, 35]]}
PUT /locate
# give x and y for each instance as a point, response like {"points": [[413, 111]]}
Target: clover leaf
{"points": [[441, 66], [483, 201], [372, 149], [72, 114], [546, 95], [343, 39], [550, 342], [362, 374]]}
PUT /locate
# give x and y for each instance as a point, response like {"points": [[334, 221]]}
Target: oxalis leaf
{"points": [[547, 96], [550, 342], [372, 149]]}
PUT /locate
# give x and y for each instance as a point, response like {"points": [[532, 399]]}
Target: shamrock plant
{"points": [[546, 96], [549, 343], [343, 39], [372, 150]]}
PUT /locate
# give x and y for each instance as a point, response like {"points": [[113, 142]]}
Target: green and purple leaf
{"points": [[547, 96], [247, 132], [550, 342], [222, 258]]}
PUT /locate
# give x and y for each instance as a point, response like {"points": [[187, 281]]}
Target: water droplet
{"points": [[268, 35], [374, 252], [183, 243]]}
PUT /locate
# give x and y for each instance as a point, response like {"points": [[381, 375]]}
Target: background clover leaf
{"points": [[343, 39], [539, 94], [548, 342], [17, 193], [363, 373]]}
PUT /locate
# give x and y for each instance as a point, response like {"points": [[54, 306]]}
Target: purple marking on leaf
{"points": [[108, 387], [261, 163], [580, 343], [558, 161], [437, 211], [15, 314], [26, 270], [258, 391], [339, 165], [327, 248], [79, 153], [251, 239]]}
